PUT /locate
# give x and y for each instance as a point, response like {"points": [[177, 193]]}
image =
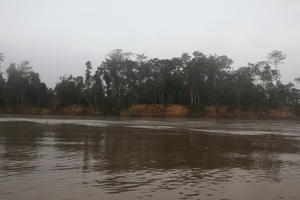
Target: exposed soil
{"points": [[156, 110]]}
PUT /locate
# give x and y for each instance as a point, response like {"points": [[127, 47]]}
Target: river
{"points": [[127, 158]]}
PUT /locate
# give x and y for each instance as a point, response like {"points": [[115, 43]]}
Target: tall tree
{"points": [[276, 58], [87, 92], [88, 76], [18, 76], [195, 74], [24, 87], [217, 66], [97, 90], [2, 82], [113, 73]]}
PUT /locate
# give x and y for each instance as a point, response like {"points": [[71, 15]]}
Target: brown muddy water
{"points": [[129, 159]]}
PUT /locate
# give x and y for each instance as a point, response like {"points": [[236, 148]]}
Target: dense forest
{"points": [[124, 79]]}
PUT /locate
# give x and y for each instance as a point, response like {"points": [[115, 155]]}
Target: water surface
{"points": [[148, 159]]}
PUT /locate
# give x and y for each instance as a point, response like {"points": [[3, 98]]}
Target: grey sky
{"points": [[58, 36]]}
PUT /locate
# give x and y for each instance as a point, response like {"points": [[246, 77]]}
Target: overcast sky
{"points": [[59, 36]]}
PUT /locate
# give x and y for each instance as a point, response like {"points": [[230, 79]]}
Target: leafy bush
{"points": [[36, 111], [196, 110]]}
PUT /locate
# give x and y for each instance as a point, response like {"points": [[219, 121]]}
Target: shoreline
{"points": [[172, 111]]}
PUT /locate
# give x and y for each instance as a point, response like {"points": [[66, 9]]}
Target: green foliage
{"points": [[196, 110], [276, 57], [68, 91], [36, 111], [122, 79], [24, 87]]}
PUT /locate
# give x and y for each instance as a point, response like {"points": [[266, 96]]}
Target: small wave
{"points": [[243, 132], [151, 127], [96, 123]]}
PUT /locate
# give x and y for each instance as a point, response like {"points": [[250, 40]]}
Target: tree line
{"points": [[124, 79]]}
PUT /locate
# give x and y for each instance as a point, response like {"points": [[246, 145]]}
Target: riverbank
{"points": [[207, 112], [156, 110]]}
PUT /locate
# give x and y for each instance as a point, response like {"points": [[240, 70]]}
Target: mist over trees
{"points": [[23, 86], [123, 79]]}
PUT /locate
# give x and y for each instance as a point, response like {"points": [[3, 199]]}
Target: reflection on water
{"points": [[132, 159]]}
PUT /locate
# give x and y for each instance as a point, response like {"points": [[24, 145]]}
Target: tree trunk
{"points": [[162, 93], [22, 96], [56, 104], [277, 89], [95, 101], [192, 99], [215, 85]]}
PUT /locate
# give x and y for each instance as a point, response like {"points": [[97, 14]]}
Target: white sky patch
{"points": [[59, 36]]}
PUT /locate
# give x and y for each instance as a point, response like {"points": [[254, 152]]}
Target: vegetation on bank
{"points": [[196, 81]]}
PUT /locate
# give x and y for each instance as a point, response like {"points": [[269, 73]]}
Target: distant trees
{"points": [[118, 72], [69, 91], [24, 87], [123, 79]]}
